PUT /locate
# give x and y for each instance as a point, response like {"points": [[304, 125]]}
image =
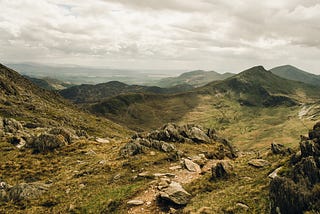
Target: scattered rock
{"points": [[274, 174], [135, 202], [174, 168], [242, 207], [191, 166], [175, 193], [68, 136], [258, 163], [11, 125], [146, 175], [131, 148]]}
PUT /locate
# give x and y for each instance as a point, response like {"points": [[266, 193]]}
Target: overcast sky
{"points": [[216, 35]]}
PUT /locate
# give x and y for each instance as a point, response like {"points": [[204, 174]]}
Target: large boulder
{"points": [[222, 169], [26, 191], [175, 193], [47, 142], [197, 135], [191, 166], [131, 148], [11, 125], [280, 149]]}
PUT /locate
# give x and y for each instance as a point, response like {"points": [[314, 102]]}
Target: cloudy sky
{"points": [[162, 34]]}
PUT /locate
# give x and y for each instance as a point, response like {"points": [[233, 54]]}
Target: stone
{"points": [[26, 191], [11, 125], [102, 140], [135, 202], [242, 206], [274, 174], [197, 135], [130, 149], [258, 163], [68, 136], [222, 169], [176, 194], [47, 142], [191, 166], [146, 175], [280, 149]]}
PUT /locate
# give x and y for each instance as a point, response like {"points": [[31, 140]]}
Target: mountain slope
{"points": [[195, 78], [49, 83], [292, 73], [94, 93], [20, 98]]}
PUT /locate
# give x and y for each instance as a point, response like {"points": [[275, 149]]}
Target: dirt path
{"points": [[183, 176]]}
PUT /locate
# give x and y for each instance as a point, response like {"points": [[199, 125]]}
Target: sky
{"points": [[220, 35]]}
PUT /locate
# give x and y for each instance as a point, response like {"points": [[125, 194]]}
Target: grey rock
{"points": [[259, 163], [176, 194], [11, 125], [26, 191], [222, 169], [274, 174], [47, 142], [191, 166], [135, 202]]}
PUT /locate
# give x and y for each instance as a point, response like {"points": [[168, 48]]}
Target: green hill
{"points": [[292, 73], [94, 93], [195, 78]]}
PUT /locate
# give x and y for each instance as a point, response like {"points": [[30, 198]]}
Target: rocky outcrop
{"points": [[163, 140], [175, 193], [222, 169], [299, 190], [280, 149]]}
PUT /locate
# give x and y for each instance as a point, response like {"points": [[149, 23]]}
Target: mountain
{"points": [[292, 73], [195, 78], [255, 87], [93, 93], [49, 83]]}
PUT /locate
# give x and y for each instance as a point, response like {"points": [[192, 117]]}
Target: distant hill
{"points": [[292, 73], [195, 78], [255, 87], [94, 93], [49, 83]]}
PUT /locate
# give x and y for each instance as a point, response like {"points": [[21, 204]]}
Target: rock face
{"points": [[163, 139], [175, 193], [299, 190]]}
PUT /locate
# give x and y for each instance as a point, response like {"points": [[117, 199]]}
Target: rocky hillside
{"points": [[84, 94], [194, 78], [49, 83], [297, 189]]}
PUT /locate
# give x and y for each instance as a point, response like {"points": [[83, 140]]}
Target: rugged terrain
{"points": [[214, 149]]}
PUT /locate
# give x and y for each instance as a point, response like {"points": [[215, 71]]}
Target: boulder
{"points": [[26, 191], [279, 149], [222, 169], [197, 135], [11, 125], [258, 163], [175, 193], [68, 136], [47, 142], [191, 166], [131, 148]]}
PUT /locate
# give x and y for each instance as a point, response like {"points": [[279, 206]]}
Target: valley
{"points": [[119, 148]]}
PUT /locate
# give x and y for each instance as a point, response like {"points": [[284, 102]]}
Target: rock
{"points": [[135, 202], [131, 148], [68, 136], [174, 168], [258, 163], [163, 183], [274, 174], [26, 191], [175, 193], [280, 149], [167, 147], [222, 169], [191, 166], [242, 206], [11, 125], [146, 175], [17, 141], [102, 140], [197, 135], [47, 142]]}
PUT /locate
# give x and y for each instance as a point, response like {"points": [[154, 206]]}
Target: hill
{"points": [[195, 78], [255, 87], [49, 83], [93, 93], [292, 73]]}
